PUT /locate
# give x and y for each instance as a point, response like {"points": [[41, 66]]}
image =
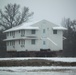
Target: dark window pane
{"points": [[54, 31], [33, 31], [33, 41]]}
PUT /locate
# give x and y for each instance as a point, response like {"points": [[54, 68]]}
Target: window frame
{"points": [[44, 43], [19, 31], [22, 42], [44, 30], [54, 31], [22, 33], [33, 41], [33, 31]]}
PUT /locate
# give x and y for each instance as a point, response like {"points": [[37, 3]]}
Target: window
{"points": [[22, 46], [19, 31], [19, 41], [47, 28], [22, 33], [32, 31], [44, 43], [10, 33], [43, 30], [13, 34], [33, 41], [22, 43], [10, 43], [13, 43], [54, 31]]}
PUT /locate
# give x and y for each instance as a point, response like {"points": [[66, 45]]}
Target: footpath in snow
{"points": [[62, 59]]}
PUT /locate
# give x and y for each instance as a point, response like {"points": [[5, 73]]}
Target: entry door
{"points": [[44, 40], [44, 43]]}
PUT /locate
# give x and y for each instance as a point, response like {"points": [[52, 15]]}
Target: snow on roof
{"points": [[29, 26], [29, 37], [23, 26], [59, 28]]}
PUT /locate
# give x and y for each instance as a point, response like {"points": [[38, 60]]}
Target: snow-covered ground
{"points": [[44, 70], [50, 58], [36, 68], [38, 73], [39, 70]]}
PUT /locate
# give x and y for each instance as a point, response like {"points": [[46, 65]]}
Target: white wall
{"points": [[56, 38]]}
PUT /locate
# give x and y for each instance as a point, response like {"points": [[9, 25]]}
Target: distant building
{"points": [[35, 36]]}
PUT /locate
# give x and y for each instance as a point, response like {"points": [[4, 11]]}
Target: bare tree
{"points": [[70, 34], [12, 16], [68, 23]]}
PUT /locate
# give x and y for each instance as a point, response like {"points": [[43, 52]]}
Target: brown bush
{"points": [[35, 62]]}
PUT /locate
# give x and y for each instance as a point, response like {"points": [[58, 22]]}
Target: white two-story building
{"points": [[35, 36]]}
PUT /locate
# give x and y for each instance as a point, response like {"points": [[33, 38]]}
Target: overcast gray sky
{"points": [[52, 10]]}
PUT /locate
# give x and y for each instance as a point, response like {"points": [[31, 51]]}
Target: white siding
{"points": [[57, 39]]}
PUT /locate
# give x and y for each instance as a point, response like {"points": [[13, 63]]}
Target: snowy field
{"points": [[39, 70], [46, 58], [47, 70], [38, 73]]}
